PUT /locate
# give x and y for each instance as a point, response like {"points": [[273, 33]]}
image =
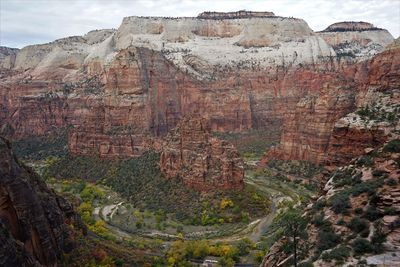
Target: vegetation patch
{"points": [[392, 146], [141, 182], [293, 167], [251, 144], [362, 246], [41, 147], [338, 254]]}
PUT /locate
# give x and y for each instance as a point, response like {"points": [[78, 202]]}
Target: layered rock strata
{"points": [[322, 127], [122, 90], [201, 161], [353, 41]]}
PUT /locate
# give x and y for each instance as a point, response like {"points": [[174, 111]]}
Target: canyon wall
{"points": [[120, 91], [325, 128], [36, 224]]}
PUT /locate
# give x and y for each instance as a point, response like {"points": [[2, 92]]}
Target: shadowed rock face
{"points": [[33, 219], [202, 162]]}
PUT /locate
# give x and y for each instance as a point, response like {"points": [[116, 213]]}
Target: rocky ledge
{"points": [[241, 14]]}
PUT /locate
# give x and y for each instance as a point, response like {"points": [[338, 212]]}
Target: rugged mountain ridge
{"points": [[36, 224], [122, 90]]}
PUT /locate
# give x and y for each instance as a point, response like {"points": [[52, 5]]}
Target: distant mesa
{"points": [[241, 14], [350, 26]]}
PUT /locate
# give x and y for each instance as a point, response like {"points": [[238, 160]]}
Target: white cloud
{"points": [[24, 22]]}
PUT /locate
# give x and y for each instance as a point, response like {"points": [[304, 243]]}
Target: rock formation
{"points": [[322, 127], [36, 224], [365, 192], [241, 14], [7, 57], [201, 161], [123, 90], [356, 40]]}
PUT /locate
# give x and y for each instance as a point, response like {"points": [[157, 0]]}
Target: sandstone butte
{"points": [[121, 91]]}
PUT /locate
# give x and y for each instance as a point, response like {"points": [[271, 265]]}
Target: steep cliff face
{"points": [[36, 224], [122, 90], [322, 128], [202, 162]]}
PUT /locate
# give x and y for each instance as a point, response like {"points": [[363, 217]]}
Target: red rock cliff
{"points": [[122, 91], [322, 129], [202, 162]]}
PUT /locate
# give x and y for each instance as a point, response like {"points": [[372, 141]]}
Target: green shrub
{"points": [[358, 211], [369, 187], [389, 211], [378, 238], [305, 264], [378, 173], [340, 203], [365, 160], [392, 146], [319, 205], [339, 254], [362, 246], [319, 220], [327, 240], [341, 222], [346, 177], [244, 246], [372, 213], [391, 182], [358, 225]]}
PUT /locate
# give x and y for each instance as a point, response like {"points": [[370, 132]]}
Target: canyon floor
{"points": [[119, 220]]}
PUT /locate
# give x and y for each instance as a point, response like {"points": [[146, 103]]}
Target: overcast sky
{"points": [[24, 22]]}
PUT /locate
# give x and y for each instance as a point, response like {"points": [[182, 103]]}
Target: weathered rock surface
{"points": [[7, 57], [201, 161], [34, 221], [235, 15], [122, 90], [322, 128], [356, 40]]}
